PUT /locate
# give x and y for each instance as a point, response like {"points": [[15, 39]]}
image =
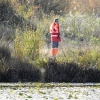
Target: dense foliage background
{"points": [[25, 45]]}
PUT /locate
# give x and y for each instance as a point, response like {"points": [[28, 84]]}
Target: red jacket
{"points": [[55, 32]]}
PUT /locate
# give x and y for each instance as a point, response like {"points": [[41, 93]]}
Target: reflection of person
{"points": [[55, 36]]}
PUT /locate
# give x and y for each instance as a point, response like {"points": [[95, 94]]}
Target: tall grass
{"points": [[87, 58], [26, 45], [78, 32]]}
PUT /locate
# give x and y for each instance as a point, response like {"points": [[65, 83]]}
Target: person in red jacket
{"points": [[55, 36]]}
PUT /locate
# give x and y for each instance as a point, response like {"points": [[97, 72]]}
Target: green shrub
{"points": [[27, 45]]}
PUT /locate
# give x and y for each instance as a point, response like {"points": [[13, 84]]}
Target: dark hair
{"points": [[56, 19]]}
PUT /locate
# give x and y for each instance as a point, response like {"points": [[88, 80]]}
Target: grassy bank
{"points": [[24, 39]]}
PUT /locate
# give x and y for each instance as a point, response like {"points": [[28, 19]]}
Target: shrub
{"points": [[27, 45], [5, 53]]}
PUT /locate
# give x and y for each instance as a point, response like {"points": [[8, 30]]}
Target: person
{"points": [[55, 36]]}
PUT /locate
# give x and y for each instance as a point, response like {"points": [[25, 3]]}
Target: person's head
{"points": [[56, 20]]}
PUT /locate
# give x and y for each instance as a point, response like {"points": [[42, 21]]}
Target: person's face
{"points": [[56, 21]]}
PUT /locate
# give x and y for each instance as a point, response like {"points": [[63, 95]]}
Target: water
{"points": [[49, 91]]}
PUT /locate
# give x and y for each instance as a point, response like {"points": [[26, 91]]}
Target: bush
{"points": [[27, 45], [5, 53]]}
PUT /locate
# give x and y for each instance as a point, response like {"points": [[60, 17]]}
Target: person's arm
{"points": [[58, 31]]}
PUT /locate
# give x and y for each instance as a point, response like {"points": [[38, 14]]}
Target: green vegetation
{"points": [[27, 45], [23, 31]]}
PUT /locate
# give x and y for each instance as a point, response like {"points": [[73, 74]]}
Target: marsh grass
{"points": [[85, 56], [27, 45]]}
